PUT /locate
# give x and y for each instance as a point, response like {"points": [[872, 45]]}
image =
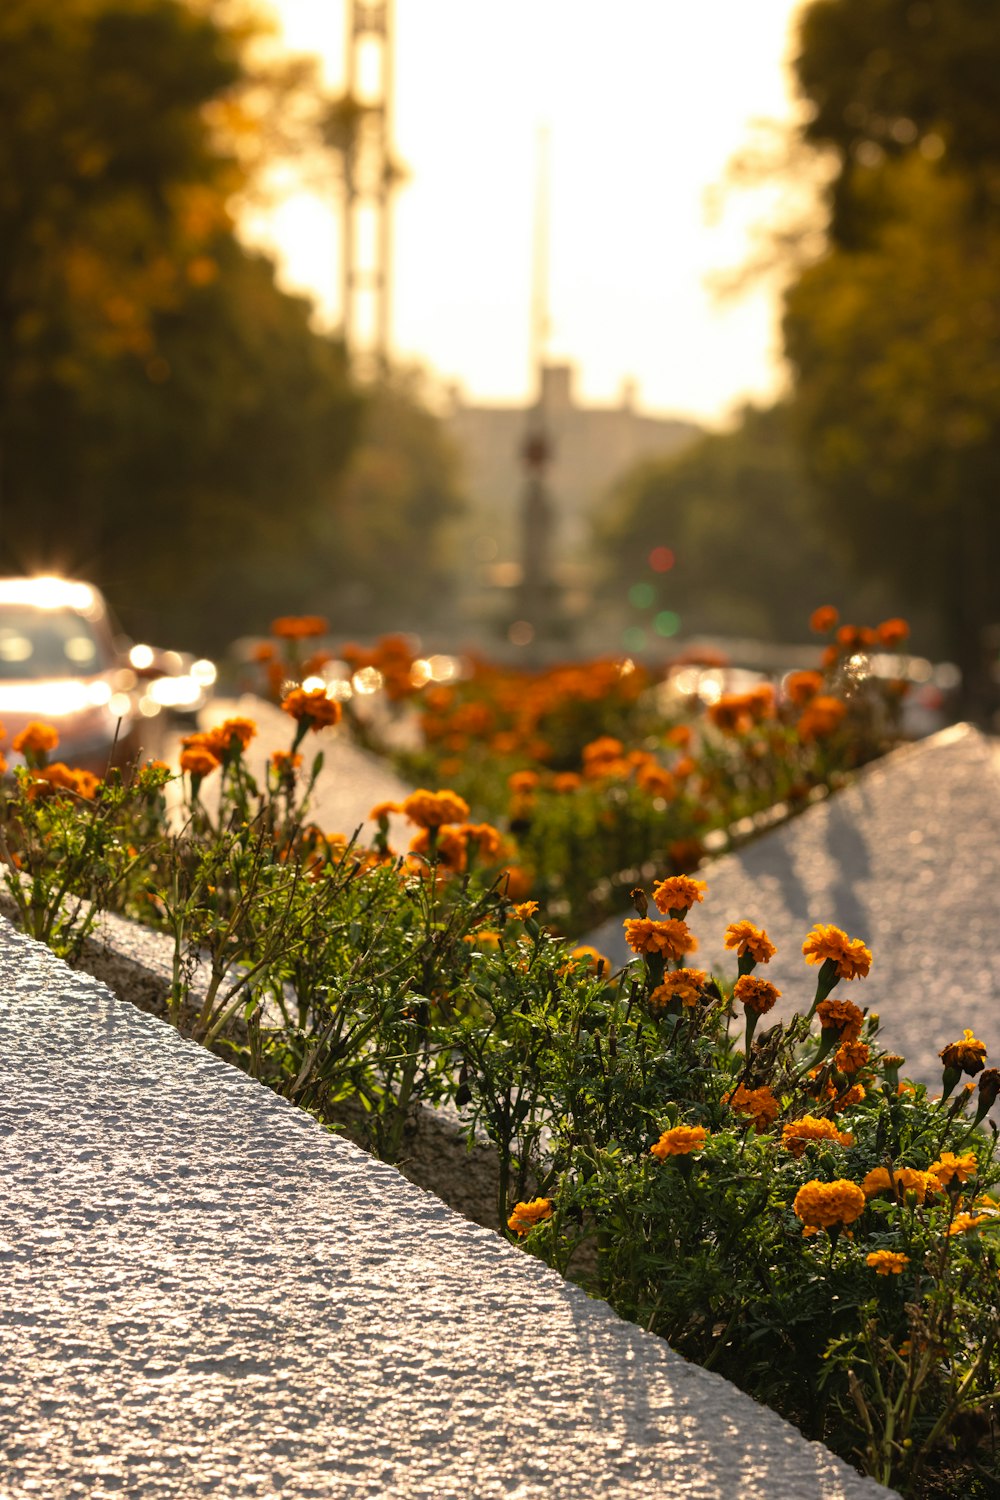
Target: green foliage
{"points": [[752, 547], [893, 335]]}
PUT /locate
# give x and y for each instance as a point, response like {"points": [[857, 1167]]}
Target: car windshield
{"points": [[37, 643]]}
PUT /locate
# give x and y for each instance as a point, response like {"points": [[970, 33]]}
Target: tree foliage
{"points": [[894, 335], [171, 425], [752, 553]]}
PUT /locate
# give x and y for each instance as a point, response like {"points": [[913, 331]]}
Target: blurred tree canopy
{"points": [[753, 555], [171, 426], [894, 335]]}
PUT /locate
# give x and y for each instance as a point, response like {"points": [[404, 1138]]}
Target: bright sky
{"points": [[644, 102]]}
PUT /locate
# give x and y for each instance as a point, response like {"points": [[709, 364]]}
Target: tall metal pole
{"points": [[369, 176]]}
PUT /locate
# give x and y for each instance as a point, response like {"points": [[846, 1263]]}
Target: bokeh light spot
{"points": [[667, 622], [634, 638], [661, 559], [641, 595]]}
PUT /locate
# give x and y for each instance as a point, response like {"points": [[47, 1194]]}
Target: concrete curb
{"points": [[210, 1294]]}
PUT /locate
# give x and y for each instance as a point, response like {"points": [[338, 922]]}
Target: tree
{"points": [[751, 553], [170, 424], [894, 335]]}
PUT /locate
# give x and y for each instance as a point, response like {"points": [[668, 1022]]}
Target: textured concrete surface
{"points": [[907, 858], [207, 1294]]}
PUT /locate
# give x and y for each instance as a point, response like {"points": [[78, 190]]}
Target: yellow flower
{"points": [[685, 985], [969, 1055], [746, 938], [671, 938], [852, 958], [948, 1167], [759, 1105], [823, 1205], [527, 1215], [525, 909], [756, 994], [680, 1141], [887, 1262], [963, 1222], [797, 1133], [678, 892], [901, 1180], [599, 965], [432, 809]]}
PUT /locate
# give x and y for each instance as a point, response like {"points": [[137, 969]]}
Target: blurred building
{"points": [[590, 448]]}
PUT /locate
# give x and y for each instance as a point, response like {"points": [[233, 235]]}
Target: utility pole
{"points": [[537, 593], [363, 121]]}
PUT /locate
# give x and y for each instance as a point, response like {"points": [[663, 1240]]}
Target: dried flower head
{"points": [[968, 1055]]}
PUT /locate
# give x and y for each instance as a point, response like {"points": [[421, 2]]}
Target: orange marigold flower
{"points": [[759, 1105], [521, 782], [198, 760], [525, 909], [527, 1215], [732, 713], [797, 1133], [892, 632], [887, 1262], [314, 706], [299, 627], [680, 1141], [3, 765], [515, 882], [961, 1223], [485, 839], [239, 729], [685, 985], [801, 687], [671, 938], [969, 1054], [681, 736], [86, 784], [901, 1180], [566, 781], [284, 762], [605, 748], [852, 958], [746, 938], [823, 715], [450, 847], [851, 1057], [824, 1205], [678, 893], [599, 965], [36, 738], [823, 619], [841, 1016], [655, 781], [950, 1167], [432, 809], [383, 810], [756, 994], [856, 637]]}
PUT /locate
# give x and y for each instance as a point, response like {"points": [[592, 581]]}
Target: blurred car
{"points": [[61, 663]]}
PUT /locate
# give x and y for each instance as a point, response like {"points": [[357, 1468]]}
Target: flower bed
{"points": [[775, 1200]]}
